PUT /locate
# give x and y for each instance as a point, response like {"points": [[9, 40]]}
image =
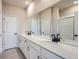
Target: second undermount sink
{"points": [[51, 43]]}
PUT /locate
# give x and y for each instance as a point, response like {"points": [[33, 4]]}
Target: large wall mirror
{"points": [[56, 20]]}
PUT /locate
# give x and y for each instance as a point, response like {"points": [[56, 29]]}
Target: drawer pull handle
{"points": [[27, 48], [25, 41], [38, 57], [20, 41]]}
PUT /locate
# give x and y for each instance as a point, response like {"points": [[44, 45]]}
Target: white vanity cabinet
{"points": [[45, 54], [32, 50], [23, 44], [38, 52]]}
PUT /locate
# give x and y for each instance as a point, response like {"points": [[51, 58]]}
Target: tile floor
{"points": [[12, 54]]}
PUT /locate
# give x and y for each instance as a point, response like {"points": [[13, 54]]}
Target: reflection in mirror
{"points": [[45, 18], [66, 28], [36, 24]]}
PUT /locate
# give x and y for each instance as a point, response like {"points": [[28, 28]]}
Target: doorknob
{"points": [[15, 33], [76, 35], [38, 57]]}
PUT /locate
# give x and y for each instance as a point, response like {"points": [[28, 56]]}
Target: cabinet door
{"points": [[34, 54], [19, 41], [22, 45], [26, 49], [48, 55]]}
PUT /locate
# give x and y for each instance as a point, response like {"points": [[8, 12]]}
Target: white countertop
{"points": [[64, 50]]}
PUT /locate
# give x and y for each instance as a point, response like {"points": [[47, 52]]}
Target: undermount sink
{"points": [[47, 42], [51, 43], [44, 40]]}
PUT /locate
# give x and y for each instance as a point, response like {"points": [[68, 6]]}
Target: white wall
{"points": [[0, 26], [39, 5], [69, 11], [18, 12]]}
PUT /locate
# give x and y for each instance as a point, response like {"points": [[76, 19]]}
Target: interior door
{"points": [[10, 32], [0, 33]]}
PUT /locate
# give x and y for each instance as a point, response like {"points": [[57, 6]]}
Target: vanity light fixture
{"points": [[26, 2], [75, 2]]}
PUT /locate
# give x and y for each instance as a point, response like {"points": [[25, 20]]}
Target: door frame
{"points": [[3, 18]]}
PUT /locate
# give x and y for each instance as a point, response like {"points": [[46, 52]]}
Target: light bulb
{"points": [[26, 2], [75, 2]]}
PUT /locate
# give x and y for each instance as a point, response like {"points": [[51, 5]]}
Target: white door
{"points": [[0, 33], [10, 32]]}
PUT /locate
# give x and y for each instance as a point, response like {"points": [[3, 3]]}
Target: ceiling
{"points": [[18, 3], [64, 4], [21, 3]]}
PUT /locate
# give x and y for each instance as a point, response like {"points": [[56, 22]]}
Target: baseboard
{"points": [[10, 48]]}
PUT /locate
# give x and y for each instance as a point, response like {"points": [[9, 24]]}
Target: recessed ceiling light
{"points": [[26, 2], [75, 2]]}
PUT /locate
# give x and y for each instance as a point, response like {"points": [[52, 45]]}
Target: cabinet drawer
{"points": [[45, 54], [26, 42], [35, 46]]}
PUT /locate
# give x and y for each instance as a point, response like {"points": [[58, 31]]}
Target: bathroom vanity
{"points": [[40, 47]]}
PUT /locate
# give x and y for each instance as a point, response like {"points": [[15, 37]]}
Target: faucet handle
{"points": [[58, 35], [53, 36]]}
